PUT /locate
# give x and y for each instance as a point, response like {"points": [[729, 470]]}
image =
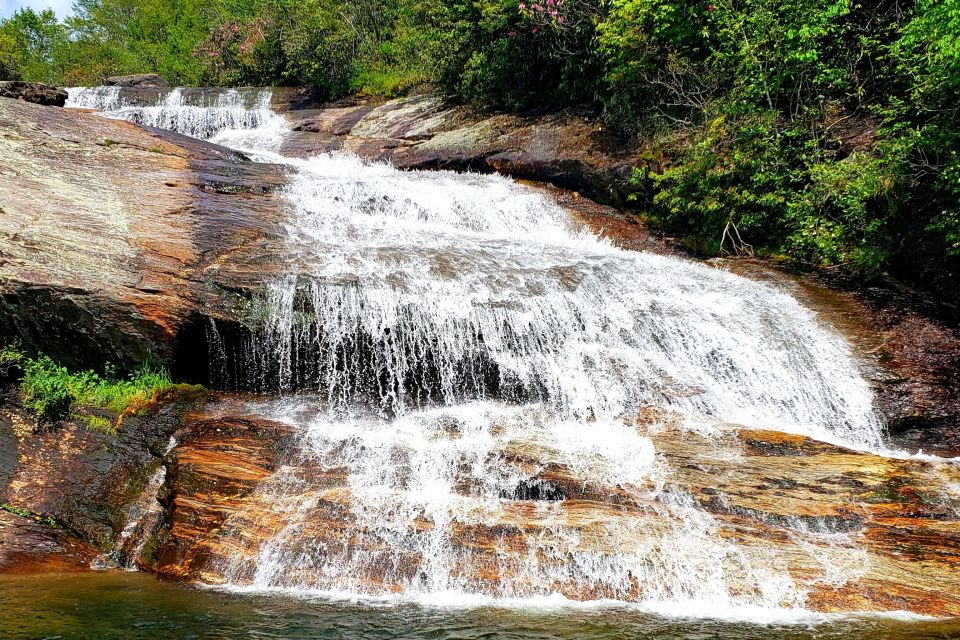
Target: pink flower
{"points": [[710, 7], [560, 19], [512, 34], [536, 30], [523, 7]]}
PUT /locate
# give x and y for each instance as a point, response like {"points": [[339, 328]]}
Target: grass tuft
{"points": [[52, 391]]}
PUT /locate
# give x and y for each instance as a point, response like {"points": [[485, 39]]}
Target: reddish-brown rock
{"points": [[770, 499], [28, 546], [115, 241]]}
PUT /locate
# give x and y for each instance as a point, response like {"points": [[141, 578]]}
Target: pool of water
{"points": [[105, 605]]}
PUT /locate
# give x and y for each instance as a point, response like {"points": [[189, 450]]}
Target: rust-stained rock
{"points": [[771, 494], [116, 240], [83, 478], [211, 478], [28, 546]]}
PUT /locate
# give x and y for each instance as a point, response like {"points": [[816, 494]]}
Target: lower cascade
{"points": [[485, 395]]}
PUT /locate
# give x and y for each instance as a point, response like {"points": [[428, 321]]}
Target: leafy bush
{"points": [[52, 391], [45, 389], [782, 191]]}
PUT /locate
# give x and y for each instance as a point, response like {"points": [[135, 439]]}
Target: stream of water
{"points": [[446, 321]]}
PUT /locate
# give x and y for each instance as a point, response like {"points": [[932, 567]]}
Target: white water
{"points": [[493, 286], [225, 111], [446, 322]]}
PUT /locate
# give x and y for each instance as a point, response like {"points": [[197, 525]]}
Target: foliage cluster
{"points": [[823, 130], [53, 392], [48, 521], [361, 45]]}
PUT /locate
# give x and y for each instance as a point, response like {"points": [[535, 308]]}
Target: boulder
{"points": [[142, 80], [119, 243], [35, 92]]}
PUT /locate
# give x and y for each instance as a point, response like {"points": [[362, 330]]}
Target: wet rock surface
{"points": [[118, 243], [81, 478], [34, 92], [220, 456], [143, 80], [781, 495], [28, 546], [116, 240]]}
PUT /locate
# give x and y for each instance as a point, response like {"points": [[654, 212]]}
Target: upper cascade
{"points": [[418, 289], [196, 113]]}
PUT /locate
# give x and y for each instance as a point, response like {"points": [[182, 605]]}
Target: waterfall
{"points": [[100, 98], [470, 368], [433, 288], [199, 115]]}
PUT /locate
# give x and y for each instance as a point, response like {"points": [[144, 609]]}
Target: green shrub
{"points": [[783, 191], [52, 391], [45, 390]]}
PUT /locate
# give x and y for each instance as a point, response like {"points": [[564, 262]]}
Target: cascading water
{"points": [[204, 116], [444, 288], [461, 349]]}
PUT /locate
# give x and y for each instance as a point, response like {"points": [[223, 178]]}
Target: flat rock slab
{"points": [[115, 239]]}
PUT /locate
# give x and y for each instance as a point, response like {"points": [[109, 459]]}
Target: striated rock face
{"points": [[855, 531], [115, 240], [221, 457], [143, 80], [27, 546], [34, 92]]}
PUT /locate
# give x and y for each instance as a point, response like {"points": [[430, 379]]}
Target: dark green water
{"points": [[132, 606]]}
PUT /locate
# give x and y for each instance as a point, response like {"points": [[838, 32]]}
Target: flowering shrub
{"points": [[232, 52]]}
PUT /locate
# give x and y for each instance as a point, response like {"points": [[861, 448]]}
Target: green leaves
{"points": [[52, 391]]}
